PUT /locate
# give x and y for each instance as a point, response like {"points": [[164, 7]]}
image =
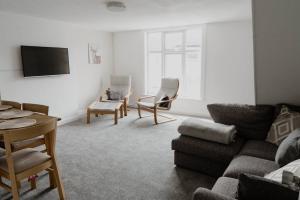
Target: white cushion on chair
{"points": [[120, 84], [169, 88], [104, 106], [146, 104]]}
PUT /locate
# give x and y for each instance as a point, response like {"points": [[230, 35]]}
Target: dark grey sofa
{"points": [[226, 162]]}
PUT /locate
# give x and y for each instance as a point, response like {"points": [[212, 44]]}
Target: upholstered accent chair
{"points": [[161, 101], [122, 86]]}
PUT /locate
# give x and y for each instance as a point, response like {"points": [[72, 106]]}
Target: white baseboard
{"points": [[68, 119]]}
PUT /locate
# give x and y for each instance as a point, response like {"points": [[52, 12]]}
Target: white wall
{"points": [[129, 59], [277, 51], [229, 73], [67, 95]]}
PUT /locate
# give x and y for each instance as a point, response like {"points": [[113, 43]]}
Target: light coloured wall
{"points": [[277, 51], [129, 59], [67, 95], [229, 73]]}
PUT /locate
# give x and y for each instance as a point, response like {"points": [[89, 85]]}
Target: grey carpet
{"points": [[132, 160]]}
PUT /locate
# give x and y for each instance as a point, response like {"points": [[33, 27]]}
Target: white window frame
{"points": [[165, 52]]}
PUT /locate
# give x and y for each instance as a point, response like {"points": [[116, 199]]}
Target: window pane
{"points": [[174, 41], [193, 39], [192, 79], [154, 41], [173, 65], [154, 72]]}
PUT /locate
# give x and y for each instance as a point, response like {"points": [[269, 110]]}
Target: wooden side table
{"points": [[102, 108]]}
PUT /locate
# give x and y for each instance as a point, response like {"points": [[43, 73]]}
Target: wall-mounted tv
{"points": [[44, 61]]}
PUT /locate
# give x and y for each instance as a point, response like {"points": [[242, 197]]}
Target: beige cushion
{"points": [[146, 104], [24, 159], [284, 124], [104, 106]]}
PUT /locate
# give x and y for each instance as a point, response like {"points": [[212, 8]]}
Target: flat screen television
{"points": [[44, 61]]}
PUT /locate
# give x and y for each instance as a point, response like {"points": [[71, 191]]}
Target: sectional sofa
{"points": [[250, 153]]}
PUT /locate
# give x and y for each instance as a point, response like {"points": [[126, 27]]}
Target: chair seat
{"points": [[105, 106], [24, 159], [146, 104], [30, 143]]}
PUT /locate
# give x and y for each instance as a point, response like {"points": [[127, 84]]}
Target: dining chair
{"points": [[161, 101], [12, 103], [33, 142], [38, 108], [18, 165], [122, 86]]}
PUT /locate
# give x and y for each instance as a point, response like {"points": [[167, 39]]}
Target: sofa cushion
{"points": [[196, 163], [284, 124], [260, 149], [289, 149], [206, 149], [226, 186], [252, 122], [205, 194], [254, 187], [250, 165], [277, 174]]}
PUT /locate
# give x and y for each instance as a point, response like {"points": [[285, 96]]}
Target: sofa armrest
{"points": [[205, 194]]}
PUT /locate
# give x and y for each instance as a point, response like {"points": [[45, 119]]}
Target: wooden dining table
{"points": [[40, 119]]}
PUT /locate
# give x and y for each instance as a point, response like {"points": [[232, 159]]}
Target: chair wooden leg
{"points": [[33, 184], [122, 111], [155, 115], [125, 107], [52, 180], [59, 184], [116, 116], [88, 116], [139, 110], [19, 184]]}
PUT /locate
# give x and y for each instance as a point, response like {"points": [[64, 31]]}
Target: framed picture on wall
{"points": [[94, 53]]}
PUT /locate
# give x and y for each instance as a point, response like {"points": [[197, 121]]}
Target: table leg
{"points": [[116, 116], [88, 117]]}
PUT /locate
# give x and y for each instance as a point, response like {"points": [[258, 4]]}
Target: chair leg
{"points": [[88, 117], [125, 107], [139, 111], [59, 184], [14, 189], [155, 115], [52, 180]]}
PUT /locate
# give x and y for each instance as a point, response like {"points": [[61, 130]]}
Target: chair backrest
{"points": [[36, 108], [169, 88], [121, 84], [21, 134], [12, 103]]}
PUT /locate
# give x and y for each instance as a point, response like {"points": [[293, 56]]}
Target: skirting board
{"points": [[72, 118]]}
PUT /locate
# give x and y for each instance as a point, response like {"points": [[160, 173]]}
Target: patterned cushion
{"points": [[285, 123], [252, 122], [277, 174]]}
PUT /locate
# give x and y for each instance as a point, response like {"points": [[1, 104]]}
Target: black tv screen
{"points": [[43, 61]]}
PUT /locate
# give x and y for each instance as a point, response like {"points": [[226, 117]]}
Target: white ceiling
{"points": [[140, 14]]}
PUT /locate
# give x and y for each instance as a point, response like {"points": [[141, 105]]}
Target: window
{"points": [[176, 54]]}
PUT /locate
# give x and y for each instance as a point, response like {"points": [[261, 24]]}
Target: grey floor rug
{"points": [[132, 160]]}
